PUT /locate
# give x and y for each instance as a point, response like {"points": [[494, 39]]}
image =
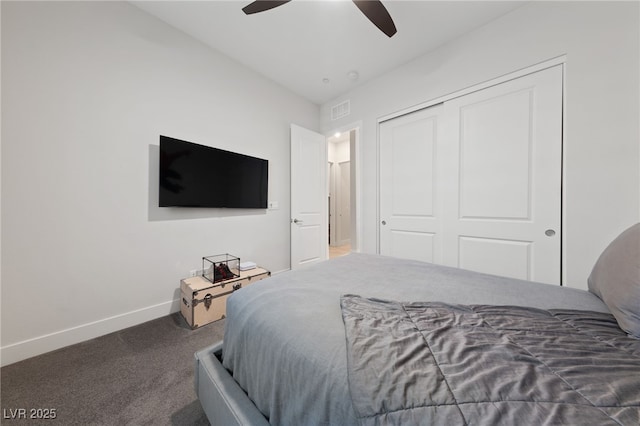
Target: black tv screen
{"points": [[193, 175]]}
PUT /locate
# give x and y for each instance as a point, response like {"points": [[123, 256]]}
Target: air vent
{"points": [[341, 110]]}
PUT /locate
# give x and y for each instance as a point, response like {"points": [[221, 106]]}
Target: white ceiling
{"points": [[301, 43]]}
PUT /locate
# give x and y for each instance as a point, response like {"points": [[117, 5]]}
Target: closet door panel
{"points": [[504, 162], [409, 219], [479, 254], [495, 169]]}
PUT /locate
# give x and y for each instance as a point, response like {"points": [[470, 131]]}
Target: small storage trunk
{"points": [[204, 302]]}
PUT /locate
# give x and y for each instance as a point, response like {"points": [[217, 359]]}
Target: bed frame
{"points": [[223, 400]]}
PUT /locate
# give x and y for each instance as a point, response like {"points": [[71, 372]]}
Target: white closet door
{"points": [[502, 195], [410, 224], [475, 182]]}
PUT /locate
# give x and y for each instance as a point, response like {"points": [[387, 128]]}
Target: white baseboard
{"points": [[36, 346]]}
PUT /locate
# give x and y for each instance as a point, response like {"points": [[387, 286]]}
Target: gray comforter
{"points": [[285, 340], [427, 363]]}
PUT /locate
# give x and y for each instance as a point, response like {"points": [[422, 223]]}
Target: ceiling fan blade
{"points": [[262, 5], [378, 15]]}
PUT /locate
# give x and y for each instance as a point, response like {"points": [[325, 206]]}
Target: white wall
{"points": [[341, 152], [601, 42], [87, 89]]}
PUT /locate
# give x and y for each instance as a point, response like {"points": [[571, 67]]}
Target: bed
{"points": [[368, 339]]}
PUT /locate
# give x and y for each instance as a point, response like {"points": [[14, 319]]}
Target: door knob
{"points": [[549, 232], [384, 222], [296, 221]]}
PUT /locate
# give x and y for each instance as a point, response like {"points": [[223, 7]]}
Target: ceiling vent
{"points": [[341, 110]]}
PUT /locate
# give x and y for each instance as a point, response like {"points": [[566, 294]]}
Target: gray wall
{"points": [[87, 88], [601, 42]]}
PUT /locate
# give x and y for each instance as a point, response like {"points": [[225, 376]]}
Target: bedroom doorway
{"points": [[310, 203], [342, 182], [338, 154]]}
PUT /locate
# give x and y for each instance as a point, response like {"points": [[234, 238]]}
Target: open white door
{"points": [[309, 207]]}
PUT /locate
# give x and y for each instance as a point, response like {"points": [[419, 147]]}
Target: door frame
{"points": [[559, 60], [340, 204], [356, 163]]}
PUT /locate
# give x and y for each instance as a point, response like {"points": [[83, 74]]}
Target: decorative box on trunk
{"points": [[204, 302], [220, 267]]}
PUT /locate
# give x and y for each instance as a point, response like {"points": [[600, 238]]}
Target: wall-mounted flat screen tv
{"points": [[193, 175]]}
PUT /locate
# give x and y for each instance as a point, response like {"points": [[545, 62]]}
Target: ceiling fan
{"points": [[374, 10]]}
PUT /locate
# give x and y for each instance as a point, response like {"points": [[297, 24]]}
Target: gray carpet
{"points": [[142, 375]]}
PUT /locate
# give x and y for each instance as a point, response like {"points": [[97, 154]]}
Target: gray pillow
{"points": [[615, 279]]}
